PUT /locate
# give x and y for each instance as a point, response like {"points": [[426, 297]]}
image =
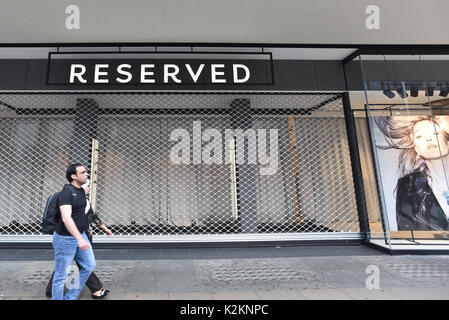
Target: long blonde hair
{"points": [[398, 132]]}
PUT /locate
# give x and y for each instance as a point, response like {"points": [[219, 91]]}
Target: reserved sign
{"points": [[159, 69]]}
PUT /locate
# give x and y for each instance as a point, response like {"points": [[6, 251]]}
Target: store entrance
{"points": [[205, 164]]}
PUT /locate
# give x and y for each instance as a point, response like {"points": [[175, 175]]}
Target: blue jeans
{"points": [[66, 250]]}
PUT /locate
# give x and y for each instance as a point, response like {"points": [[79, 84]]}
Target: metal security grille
{"points": [[182, 163]]}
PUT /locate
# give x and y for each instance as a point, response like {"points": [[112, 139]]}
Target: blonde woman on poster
{"points": [[422, 196]]}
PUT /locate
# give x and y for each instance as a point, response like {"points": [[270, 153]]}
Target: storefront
{"points": [[403, 125], [219, 145]]}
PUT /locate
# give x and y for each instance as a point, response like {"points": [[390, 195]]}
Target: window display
{"points": [[421, 158]]}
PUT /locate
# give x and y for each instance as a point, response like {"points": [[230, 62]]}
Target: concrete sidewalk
{"points": [[268, 273]]}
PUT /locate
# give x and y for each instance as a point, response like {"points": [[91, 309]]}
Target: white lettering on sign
{"points": [[171, 74], [215, 73], [99, 73], [235, 68], [77, 70], [144, 73], [124, 73], [196, 75]]}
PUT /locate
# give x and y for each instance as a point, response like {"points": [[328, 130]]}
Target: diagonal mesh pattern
{"points": [[182, 163]]}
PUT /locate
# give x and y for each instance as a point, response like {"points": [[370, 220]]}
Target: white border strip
{"points": [[317, 236]]}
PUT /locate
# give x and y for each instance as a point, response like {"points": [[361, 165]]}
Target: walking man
{"points": [[69, 239]]}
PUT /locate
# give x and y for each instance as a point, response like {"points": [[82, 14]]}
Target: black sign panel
{"points": [[162, 68]]}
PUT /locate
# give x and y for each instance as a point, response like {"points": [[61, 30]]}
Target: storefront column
{"points": [[85, 129], [246, 173], [356, 166]]}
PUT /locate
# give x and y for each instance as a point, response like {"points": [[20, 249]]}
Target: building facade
{"points": [[201, 142]]}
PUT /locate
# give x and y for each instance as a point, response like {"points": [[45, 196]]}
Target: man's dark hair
{"points": [[72, 170]]}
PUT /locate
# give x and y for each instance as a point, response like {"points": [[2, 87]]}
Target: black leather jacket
{"points": [[416, 205]]}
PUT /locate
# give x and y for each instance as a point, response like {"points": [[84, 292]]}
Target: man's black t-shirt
{"points": [[76, 197]]}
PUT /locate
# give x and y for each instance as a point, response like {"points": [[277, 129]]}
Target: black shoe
{"points": [[103, 293], [48, 294]]}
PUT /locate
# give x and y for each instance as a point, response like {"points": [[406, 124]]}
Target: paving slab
{"points": [[325, 294], [280, 295], [190, 295], [343, 279], [420, 293], [366, 294], [235, 295], [146, 296]]}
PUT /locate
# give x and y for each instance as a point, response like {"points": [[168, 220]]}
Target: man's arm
{"points": [[66, 215], [101, 225], [105, 229], [96, 219]]}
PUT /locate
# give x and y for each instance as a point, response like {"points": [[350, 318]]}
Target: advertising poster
{"points": [[414, 165]]}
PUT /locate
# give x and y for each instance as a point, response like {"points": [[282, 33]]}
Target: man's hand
{"points": [[105, 229], [83, 244]]}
